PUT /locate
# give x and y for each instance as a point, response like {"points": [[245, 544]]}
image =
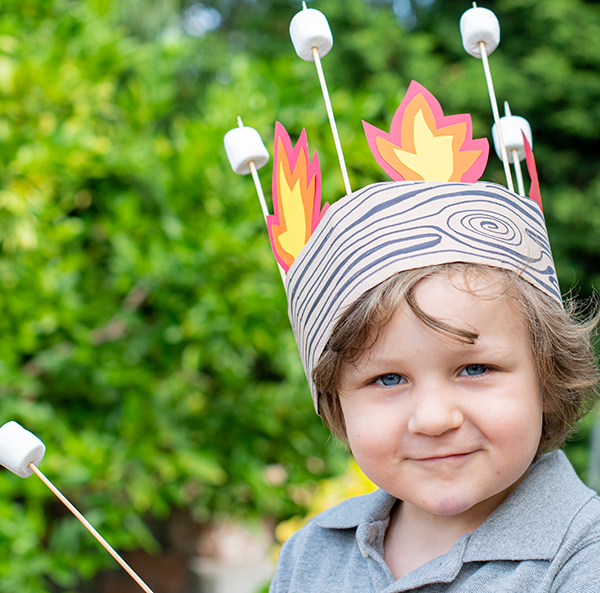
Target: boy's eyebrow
{"points": [[479, 348]]}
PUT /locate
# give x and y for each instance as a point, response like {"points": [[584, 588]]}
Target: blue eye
{"points": [[390, 379], [473, 370]]}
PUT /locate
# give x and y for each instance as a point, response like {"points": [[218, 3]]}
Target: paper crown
{"points": [[432, 213], [423, 145]]}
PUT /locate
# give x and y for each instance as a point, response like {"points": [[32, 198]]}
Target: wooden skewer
{"points": [[259, 191], [329, 109], [261, 197], [515, 156], [518, 172], [89, 527], [494, 102]]}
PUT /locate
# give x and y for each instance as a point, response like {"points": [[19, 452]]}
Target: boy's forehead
{"points": [[495, 324], [454, 299], [466, 283], [386, 228]]}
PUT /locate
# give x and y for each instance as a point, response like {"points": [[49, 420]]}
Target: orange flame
{"points": [[296, 197], [424, 144]]}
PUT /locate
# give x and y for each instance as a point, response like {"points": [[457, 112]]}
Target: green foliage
{"points": [[144, 334]]}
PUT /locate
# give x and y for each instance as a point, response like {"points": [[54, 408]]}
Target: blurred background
{"points": [[144, 335]]}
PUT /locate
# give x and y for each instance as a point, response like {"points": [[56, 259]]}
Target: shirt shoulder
{"points": [[576, 565], [583, 532]]}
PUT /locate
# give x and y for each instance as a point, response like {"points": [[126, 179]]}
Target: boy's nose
{"points": [[435, 412]]}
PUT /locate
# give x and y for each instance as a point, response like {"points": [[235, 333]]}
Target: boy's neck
{"points": [[415, 537]]}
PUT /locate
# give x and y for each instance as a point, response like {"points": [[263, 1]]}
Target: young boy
{"points": [[436, 344]]}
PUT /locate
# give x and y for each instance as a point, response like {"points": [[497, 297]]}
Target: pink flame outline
{"points": [[313, 169], [534, 190], [442, 121]]}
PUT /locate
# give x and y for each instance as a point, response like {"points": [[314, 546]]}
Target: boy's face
{"points": [[447, 427]]}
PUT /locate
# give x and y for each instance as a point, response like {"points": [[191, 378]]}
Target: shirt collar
{"points": [[550, 489], [354, 511]]}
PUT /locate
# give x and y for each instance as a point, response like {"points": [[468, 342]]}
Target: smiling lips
{"points": [[444, 457]]}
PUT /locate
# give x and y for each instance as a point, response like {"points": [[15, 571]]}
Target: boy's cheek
{"points": [[367, 426]]}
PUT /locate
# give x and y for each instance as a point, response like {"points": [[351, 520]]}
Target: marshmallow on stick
{"points": [[308, 29], [479, 25], [513, 128], [21, 452], [480, 32], [246, 153], [19, 448], [312, 39], [514, 131], [245, 148]]}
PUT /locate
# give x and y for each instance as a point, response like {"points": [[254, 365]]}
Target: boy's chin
{"points": [[447, 506], [453, 505]]}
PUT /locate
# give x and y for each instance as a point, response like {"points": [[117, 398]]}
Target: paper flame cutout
{"points": [[534, 190], [424, 144], [296, 197]]}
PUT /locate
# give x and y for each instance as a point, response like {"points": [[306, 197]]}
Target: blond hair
{"points": [[560, 342]]}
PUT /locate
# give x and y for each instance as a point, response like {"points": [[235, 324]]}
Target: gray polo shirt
{"points": [[544, 537]]}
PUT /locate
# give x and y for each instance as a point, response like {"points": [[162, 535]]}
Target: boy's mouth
{"points": [[444, 457]]}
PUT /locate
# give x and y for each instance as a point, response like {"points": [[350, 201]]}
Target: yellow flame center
{"points": [[433, 156], [293, 238]]}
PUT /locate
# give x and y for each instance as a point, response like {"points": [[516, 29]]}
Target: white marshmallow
{"points": [[19, 448], [513, 128], [476, 25], [308, 29], [243, 145]]}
